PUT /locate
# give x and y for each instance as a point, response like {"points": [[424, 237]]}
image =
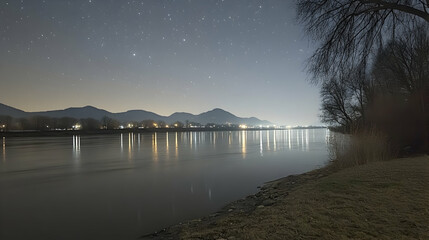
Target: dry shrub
{"points": [[359, 148]]}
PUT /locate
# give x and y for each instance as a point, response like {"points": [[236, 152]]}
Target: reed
{"points": [[358, 148]]}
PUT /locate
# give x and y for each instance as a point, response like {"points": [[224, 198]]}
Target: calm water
{"points": [[124, 186]]}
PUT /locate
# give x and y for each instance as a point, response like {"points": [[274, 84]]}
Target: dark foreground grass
{"points": [[379, 200]]}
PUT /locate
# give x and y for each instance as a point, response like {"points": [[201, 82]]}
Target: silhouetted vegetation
{"points": [[106, 125], [109, 123], [373, 68]]}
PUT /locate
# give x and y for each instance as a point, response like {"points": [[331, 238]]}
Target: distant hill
{"points": [[10, 111], [217, 115], [75, 112]]}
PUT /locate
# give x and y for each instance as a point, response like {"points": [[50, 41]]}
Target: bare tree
{"points": [[349, 30], [402, 66], [401, 69], [337, 106]]}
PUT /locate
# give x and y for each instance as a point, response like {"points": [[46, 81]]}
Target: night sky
{"points": [[246, 57]]}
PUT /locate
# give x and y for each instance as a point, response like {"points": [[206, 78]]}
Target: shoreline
{"points": [[269, 194], [384, 199]]}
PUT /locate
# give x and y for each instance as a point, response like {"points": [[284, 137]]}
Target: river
{"points": [[125, 185]]}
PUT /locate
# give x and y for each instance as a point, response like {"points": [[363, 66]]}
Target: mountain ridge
{"points": [[216, 115]]}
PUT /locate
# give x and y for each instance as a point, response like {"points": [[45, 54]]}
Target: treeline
{"points": [[373, 67], [43, 123], [392, 98]]}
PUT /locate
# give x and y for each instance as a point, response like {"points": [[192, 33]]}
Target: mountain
{"points": [[75, 112], [137, 115], [181, 117], [10, 111], [217, 115]]}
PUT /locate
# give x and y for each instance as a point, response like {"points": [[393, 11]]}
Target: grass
{"points": [[378, 200]]}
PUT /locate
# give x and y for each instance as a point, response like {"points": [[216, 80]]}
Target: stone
{"points": [[268, 202]]}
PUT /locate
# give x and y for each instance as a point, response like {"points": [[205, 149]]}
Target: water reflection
{"points": [[274, 141], [243, 143], [176, 145], [246, 140], [155, 146], [4, 150], [307, 142], [130, 146], [138, 141], [261, 149], [166, 142], [263, 140], [268, 140], [122, 143], [76, 147]]}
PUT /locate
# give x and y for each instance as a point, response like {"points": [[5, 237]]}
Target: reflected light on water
{"points": [[302, 140], [229, 138], [243, 143], [195, 140], [261, 149], [307, 147], [166, 141], [274, 141], [176, 153], [288, 139], [155, 146], [167, 146], [76, 147], [4, 149], [138, 140], [297, 139], [268, 140], [122, 142], [130, 146]]}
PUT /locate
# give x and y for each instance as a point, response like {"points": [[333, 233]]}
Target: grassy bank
{"points": [[379, 200]]}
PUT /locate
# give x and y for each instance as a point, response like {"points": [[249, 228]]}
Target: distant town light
{"points": [[77, 126], [243, 126]]}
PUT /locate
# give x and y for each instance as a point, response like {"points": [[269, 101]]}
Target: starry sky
{"points": [[244, 56]]}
